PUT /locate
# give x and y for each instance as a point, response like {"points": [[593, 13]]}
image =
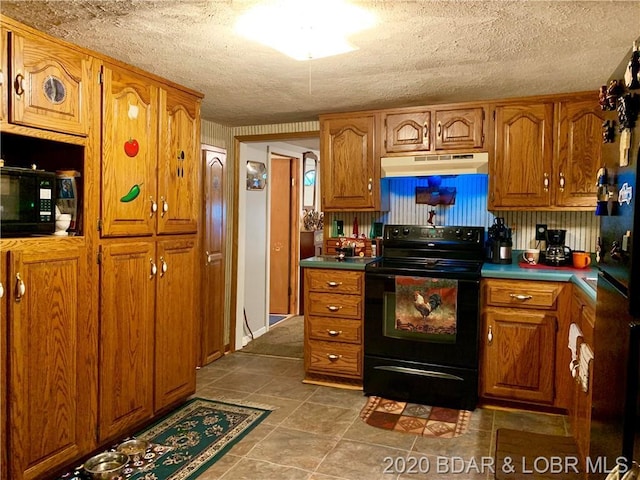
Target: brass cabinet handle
{"points": [[163, 267], [545, 182], [154, 206], [519, 296], [562, 182], [334, 284], [1, 77], [21, 289], [154, 268], [333, 308], [333, 357], [19, 85], [1, 290], [425, 133], [165, 206], [439, 129], [490, 336], [334, 333], [370, 185]]}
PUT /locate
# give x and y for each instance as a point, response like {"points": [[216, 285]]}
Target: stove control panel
{"points": [[421, 233]]}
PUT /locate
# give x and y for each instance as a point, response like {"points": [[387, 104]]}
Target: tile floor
{"points": [[315, 433]]}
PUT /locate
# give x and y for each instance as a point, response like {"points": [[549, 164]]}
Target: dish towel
{"points": [[574, 334], [586, 355]]}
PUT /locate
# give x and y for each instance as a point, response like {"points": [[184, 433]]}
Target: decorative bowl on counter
{"points": [[106, 466]]}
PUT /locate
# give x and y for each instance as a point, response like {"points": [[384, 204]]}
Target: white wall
{"points": [[253, 239]]}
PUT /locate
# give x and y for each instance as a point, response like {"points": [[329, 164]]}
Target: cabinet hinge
{"points": [[293, 182], [99, 225]]}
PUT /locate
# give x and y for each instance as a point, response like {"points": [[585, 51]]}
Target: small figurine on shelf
{"points": [[608, 131]]}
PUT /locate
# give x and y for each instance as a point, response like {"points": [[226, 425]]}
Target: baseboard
{"points": [[258, 333]]}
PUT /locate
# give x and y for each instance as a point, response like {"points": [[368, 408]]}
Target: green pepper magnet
{"points": [[132, 194]]}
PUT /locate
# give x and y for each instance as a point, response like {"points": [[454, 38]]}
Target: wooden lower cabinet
{"points": [[4, 459], [583, 315], [52, 360], [334, 312], [148, 343], [523, 336], [127, 308], [177, 311]]}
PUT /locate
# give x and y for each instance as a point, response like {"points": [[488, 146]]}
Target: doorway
{"points": [[283, 240]]}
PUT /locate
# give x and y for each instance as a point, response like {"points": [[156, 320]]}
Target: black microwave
{"points": [[27, 202]]}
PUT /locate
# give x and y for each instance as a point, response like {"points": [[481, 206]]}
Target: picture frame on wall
{"points": [[256, 175]]}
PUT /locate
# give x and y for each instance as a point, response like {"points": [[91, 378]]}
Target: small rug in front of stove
{"points": [[414, 418]]}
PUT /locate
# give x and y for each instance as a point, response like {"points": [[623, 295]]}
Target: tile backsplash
{"points": [[470, 208]]}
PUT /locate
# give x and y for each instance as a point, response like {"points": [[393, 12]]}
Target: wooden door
{"points": [[179, 163], [407, 132], [127, 283], [178, 288], [579, 153], [521, 175], [49, 85], [280, 235], [52, 369], [349, 180], [213, 284], [129, 153], [4, 459], [459, 129], [519, 355]]}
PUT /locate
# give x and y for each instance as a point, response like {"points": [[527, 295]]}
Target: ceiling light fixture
{"points": [[305, 29]]}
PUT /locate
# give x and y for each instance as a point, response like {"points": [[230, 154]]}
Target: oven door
{"points": [[427, 318]]}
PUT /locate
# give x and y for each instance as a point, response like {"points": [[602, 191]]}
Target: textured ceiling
{"points": [[421, 52]]}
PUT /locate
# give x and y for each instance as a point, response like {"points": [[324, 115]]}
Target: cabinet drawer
{"points": [[522, 294], [338, 281], [334, 330], [334, 305], [334, 358]]}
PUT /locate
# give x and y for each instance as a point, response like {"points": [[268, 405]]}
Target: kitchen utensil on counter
{"points": [[531, 256], [581, 259], [499, 243]]}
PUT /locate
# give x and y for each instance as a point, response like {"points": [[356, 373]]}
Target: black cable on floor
{"points": [[247, 323]]}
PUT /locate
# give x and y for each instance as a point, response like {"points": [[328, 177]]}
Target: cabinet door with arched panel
{"points": [[49, 85]]}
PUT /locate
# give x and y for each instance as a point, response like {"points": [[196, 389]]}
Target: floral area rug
{"points": [[415, 418], [183, 444]]}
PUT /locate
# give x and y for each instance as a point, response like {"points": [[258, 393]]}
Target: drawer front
{"points": [[522, 294], [334, 330], [334, 305], [332, 358], [336, 281]]}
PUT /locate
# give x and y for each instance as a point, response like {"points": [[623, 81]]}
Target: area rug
{"points": [[524, 455], [285, 339], [186, 442], [415, 418]]}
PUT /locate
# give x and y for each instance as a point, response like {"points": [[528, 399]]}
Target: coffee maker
{"points": [[499, 242], [557, 253]]}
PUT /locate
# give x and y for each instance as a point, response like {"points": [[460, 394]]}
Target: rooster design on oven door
{"points": [[426, 307]]}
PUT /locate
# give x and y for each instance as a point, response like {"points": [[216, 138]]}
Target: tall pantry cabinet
{"points": [[149, 247]]}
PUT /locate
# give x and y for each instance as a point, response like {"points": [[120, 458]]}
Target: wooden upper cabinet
{"points": [[459, 129], [127, 316], [52, 364], [406, 131], [579, 153], [179, 160], [129, 153], [522, 168], [432, 130], [49, 85], [350, 167]]}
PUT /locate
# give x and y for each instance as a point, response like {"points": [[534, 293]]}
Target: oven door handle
{"points": [[415, 371]]}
